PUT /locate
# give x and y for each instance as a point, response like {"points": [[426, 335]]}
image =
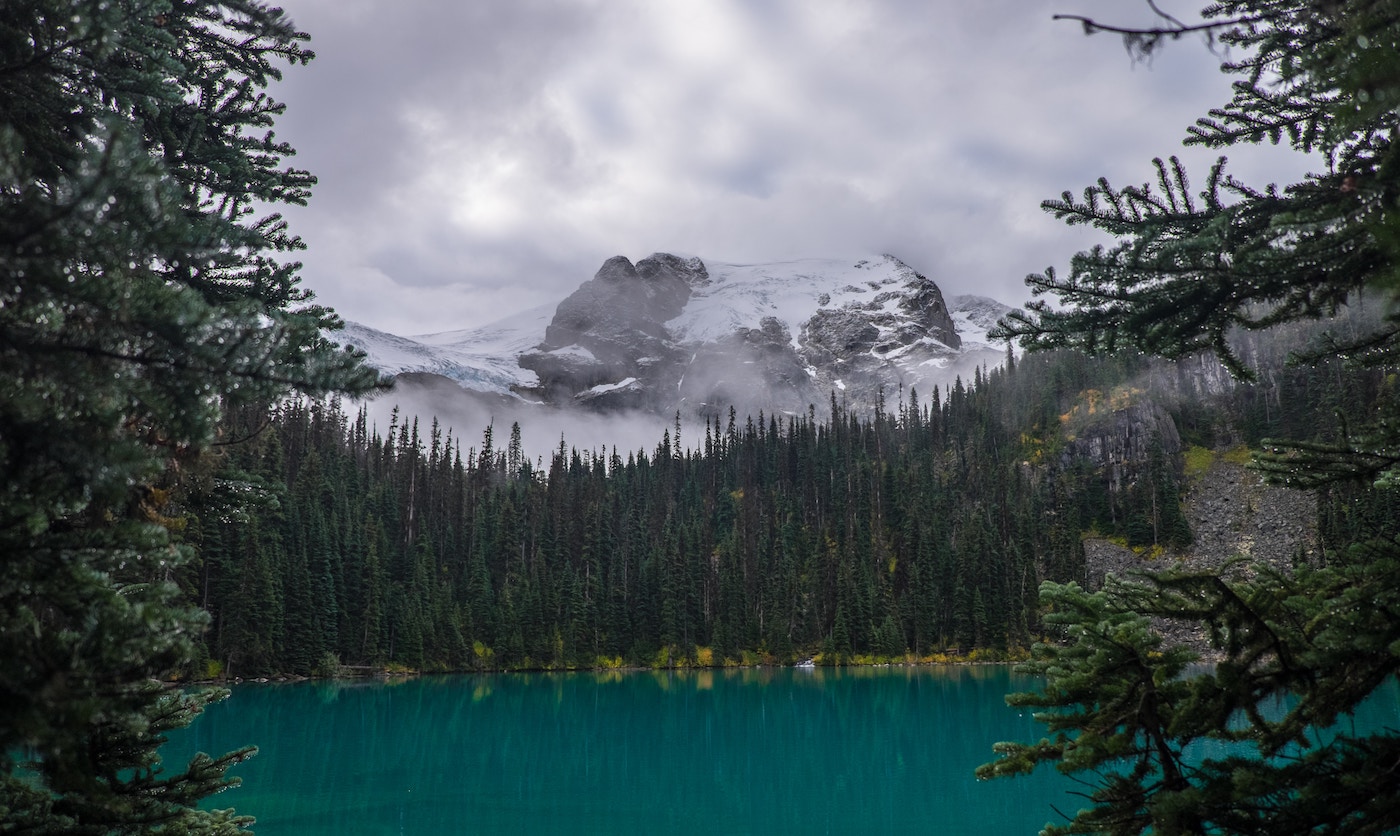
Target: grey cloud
{"points": [[380, 63], [476, 153], [445, 258]]}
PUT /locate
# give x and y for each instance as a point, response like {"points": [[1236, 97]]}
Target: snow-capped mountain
{"points": [[676, 333]]}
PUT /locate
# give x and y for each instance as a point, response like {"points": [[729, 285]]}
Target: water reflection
{"points": [[767, 750]]}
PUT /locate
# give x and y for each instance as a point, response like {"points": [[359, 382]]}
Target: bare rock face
{"points": [[923, 304], [624, 302], [831, 335], [751, 370], [1121, 442], [612, 328]]}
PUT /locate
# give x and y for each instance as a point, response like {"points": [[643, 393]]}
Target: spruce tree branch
{"points": [[267, 422], [41, 56], [1092, 26], [40, 222], [167, 363]]}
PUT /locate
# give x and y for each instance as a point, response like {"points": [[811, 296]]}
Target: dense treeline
{"points": [[925, 529]]}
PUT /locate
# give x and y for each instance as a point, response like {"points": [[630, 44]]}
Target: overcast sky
{"points": [[482, 157]]}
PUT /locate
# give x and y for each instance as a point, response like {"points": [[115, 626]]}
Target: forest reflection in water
{"points": [[757, 750]]}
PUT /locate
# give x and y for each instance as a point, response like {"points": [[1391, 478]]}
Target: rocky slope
{"points": [[1238, 522], [1233, 514]]}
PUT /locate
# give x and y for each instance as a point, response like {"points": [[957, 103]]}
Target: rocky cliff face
{"points": [[611, 332], [1121, 442], [1237, 521]]}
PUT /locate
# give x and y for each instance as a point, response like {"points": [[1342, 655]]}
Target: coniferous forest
{"points": [[922, 529]]}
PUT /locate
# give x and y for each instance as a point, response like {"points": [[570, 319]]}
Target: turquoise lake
{"points": [[858, 750], [762, 751]]}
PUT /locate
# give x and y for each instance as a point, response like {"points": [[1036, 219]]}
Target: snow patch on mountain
{"points": [[613, 387], [485, 358], [742, 295], [974, 316]]}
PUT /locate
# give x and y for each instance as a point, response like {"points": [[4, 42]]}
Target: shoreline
{"points": [[386, 673]]}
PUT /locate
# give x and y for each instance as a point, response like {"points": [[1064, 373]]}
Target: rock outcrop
{"points": [[735, 369], [612, 329], [1122, 442]]}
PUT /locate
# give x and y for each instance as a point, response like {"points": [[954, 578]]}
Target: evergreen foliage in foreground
{"points": [[1120, 706], [137, 292]]}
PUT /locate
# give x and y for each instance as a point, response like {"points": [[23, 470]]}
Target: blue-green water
{"points": [[751, 751]]}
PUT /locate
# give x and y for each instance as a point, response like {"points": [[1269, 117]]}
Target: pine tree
{"points": [[1325, 78], [134, 143]]}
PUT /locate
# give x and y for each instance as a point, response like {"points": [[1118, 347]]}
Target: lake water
{"points": [[769, 751]]}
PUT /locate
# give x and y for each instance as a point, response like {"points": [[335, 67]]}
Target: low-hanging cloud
{"points": [[465, 417]]}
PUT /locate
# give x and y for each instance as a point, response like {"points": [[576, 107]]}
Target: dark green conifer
{"points": [[1187, 274], [140, 294]]}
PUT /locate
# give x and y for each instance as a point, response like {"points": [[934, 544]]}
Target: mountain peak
{"points": [[672, 332]]}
